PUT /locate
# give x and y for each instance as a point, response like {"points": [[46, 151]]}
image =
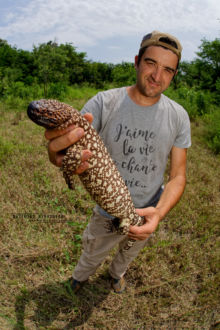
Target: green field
{"points": [[174, 282]]}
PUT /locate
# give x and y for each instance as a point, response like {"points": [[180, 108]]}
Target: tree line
{"points": [[57, 66], [58, 71], [60, 65]]}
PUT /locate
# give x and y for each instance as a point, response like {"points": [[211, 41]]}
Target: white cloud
{"points": [[86, 23]]}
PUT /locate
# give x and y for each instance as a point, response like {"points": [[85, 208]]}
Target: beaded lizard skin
{"points": [[102, 180]]}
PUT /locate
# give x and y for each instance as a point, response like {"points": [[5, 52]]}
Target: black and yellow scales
{"points": [[102, 180]]}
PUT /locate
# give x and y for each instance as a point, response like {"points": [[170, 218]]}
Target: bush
{"points": [[20, 90], [81, 92], [18, 94], [57, 90], [197, 103], [124, 74], [212, 130]]}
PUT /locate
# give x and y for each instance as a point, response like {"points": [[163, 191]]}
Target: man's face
{"points": [[155, 71]]}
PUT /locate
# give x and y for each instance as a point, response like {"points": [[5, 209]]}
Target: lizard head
{"points": [[49, 113]]}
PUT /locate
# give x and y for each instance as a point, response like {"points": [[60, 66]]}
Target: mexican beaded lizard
{"points": [[102, 180]]}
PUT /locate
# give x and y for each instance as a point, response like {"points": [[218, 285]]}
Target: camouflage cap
{"points": [[157, 38]]}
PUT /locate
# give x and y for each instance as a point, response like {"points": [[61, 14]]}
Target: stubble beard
{"points": [[148, 92]]}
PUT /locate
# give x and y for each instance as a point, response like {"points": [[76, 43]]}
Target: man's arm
{"points": [[169, 198], [176, 184]]}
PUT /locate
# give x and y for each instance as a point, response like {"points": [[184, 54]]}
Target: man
{"points": [[140, 127]]}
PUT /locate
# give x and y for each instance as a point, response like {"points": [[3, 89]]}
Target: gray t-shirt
{"points": [[139, 138]]}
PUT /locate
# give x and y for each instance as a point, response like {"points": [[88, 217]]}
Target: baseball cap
{"points": [[157, 38]]}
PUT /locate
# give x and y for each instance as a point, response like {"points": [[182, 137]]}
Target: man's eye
{"points": [[170, 71], [148, 62]]}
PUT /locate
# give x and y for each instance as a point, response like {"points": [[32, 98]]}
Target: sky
{"points": [[108, 30]]}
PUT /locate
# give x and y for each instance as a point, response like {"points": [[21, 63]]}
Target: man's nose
{"points": [[157, 73]]}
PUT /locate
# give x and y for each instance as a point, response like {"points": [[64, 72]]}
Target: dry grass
{"points": [[173, 284]]}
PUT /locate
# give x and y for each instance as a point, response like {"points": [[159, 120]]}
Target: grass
{"points": [[173, 284]]}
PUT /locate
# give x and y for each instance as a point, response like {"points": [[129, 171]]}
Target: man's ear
{"points": [[136, 62]]}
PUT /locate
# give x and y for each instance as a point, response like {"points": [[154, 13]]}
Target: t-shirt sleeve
{"points": [[94, 106], [183, 138]]}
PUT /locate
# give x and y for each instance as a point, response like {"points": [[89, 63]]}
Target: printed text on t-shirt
{"points": [[143, 149]]}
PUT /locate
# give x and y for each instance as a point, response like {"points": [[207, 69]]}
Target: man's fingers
{"points": [[84, 166], [141, 212], [138, 233], [58, 159], [88, 116], [54, 133], [138, 237], [59, 140], [86, 154], [135, 230], [64, 141]]}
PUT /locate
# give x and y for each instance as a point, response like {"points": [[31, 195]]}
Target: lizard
{"points": [[102, 179]]}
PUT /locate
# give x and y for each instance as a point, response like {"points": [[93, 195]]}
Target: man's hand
{"points": [[59, 140], [152, 219], [170, 196]]}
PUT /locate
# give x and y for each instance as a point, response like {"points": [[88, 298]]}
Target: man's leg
{"points": [[123, 258], [97, 242]]}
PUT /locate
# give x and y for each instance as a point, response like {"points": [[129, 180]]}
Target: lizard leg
{"points": [[71, 162]]}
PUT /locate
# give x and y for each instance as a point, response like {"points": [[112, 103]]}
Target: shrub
{"points": [[212, 130], [57, 90], [196, 102]]}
